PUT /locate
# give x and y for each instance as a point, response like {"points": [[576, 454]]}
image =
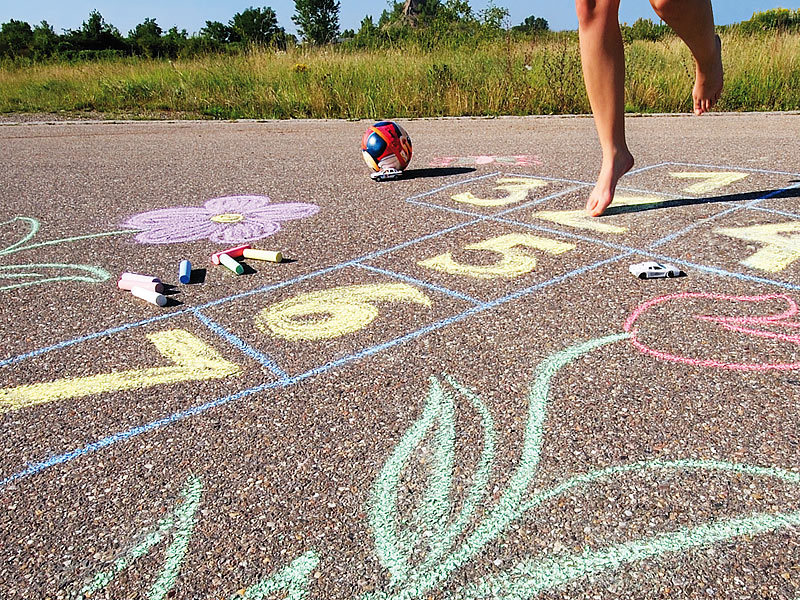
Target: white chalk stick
{"points": [[153, 286], [231, 263], [149, 295], [263, 255], [137, 277]]}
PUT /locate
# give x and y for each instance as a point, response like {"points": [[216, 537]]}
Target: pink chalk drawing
{"points": [[226, 220], [781, 327], [517, 160]]}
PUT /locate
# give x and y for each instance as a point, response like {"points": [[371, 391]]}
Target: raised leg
{"points": [[693, 21]]}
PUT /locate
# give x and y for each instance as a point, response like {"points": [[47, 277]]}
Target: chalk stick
{"points": [[149, 295], [231, 263], [185, 271], [263, 255], [153, 286], [137, 277], [232, 252]]}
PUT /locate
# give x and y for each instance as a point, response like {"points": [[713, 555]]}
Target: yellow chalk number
{"points": [[334, 312], [580, 220], [781, 243], [517, 188], [710, 181], [192, 360], [514, 260]]}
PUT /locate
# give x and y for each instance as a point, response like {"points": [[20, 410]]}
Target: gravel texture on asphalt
{"points": [[452, 388]]}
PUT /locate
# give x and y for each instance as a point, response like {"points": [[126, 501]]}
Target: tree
{"points": [[45, 40], [16, 38], [317, 20], [174, 41], [417, 12], [532, 24], [256, 26], [146, 38], [95, 34], [216, 32], [494, 17]]}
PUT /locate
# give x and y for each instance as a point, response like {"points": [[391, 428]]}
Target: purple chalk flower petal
{"points": [[285, 212], [226, 220], [236, 204], [186, 232], [167, 217], [246, 231]]}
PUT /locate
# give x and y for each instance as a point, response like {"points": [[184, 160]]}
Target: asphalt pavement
{"points": [[452, 386]]}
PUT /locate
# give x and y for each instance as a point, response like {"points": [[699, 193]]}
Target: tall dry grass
{"points": [[498, 78]]}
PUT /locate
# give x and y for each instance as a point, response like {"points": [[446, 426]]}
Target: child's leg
{"points": [[603, 60], [693, 21]]}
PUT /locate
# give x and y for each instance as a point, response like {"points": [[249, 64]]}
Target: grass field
{"points": [[498, 78]]}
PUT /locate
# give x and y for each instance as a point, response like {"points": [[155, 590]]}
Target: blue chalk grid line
{"points": [[752, 170], [236, 342], [422, 284], [286, 380], [36, 468]]}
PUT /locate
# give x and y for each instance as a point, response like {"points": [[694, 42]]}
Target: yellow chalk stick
{"points": [[263, 255]]}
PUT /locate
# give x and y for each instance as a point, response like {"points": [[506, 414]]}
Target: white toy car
{"points": [[386, 174], [652, 269]]}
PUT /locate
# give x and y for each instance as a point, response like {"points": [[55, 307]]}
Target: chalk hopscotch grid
{"points": [[36, 468], [241, 345], [734, 206], [285, 380], [261, 290], [477, 217]]}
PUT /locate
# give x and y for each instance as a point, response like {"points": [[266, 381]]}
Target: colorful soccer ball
{"points": [[386, 145]]}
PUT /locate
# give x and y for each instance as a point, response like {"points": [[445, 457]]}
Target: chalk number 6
{"points": [[334, 312]]}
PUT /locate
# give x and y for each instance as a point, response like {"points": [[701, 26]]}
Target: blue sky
{"points": [[192, 14]]}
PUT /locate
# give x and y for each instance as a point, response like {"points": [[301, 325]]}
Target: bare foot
{"points": [[603, 192], [708, 87]]}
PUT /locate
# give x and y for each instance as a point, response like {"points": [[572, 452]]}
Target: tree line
{"points": [[317, 23], [428, 23]]}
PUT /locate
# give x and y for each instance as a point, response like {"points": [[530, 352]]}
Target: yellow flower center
{"points": [[227, 218]]}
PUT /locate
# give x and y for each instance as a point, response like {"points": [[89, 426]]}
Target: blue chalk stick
{"points": [[185, 271]]}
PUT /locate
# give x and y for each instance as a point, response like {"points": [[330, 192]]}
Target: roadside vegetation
{"points": [[447, 61]]}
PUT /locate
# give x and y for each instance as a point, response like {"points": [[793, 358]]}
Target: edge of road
{"points": [[18, 119]]}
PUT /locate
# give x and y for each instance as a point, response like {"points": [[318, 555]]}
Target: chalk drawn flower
{"points": [[685, 328], [226, 220]]}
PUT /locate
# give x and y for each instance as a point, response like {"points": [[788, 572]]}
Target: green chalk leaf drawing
{"points": [[292, 579], [24, 275], [435, 527], [529, 578], [441, 535], [33, 275], [182, 521]]}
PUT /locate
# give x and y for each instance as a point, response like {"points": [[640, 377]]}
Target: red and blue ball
{"points": [[386, 145]]}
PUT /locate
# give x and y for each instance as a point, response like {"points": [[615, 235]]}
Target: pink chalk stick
{"points": [[232, 252], [129, 284], [140, 278]]}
